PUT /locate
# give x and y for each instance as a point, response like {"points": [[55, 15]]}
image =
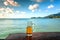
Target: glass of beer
{"points": [[29, 31]]}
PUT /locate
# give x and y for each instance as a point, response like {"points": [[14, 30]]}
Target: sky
{"points": [[28, 8]]}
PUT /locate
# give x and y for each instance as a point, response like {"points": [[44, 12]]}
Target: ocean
{"points": [[9, 26]]}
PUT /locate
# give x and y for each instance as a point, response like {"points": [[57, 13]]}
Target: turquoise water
{"points": [[9, 26], [46, 25]]}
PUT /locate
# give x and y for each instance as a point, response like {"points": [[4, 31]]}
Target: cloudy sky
{"points": [[28, 8]]}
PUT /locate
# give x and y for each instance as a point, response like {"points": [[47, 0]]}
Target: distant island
{"points": [[50, 16], [53, 16], [35, 17]]}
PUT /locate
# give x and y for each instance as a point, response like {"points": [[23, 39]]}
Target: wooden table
{"points": [[36, 36]]}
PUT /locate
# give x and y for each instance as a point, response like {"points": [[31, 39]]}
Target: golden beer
{"points": [[29, 30]]}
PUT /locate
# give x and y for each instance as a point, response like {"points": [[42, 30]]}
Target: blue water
{"points": [[9, 26], [46, 25]]}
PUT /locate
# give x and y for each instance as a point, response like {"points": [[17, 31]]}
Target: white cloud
{"points": [[10, 2], [8, 10], [1, 15], [6, 3], [51, 6], [17, 11], [1, 9], [37, 0], [42, 0], [23, 12], [33, 7], [33, 10], [6, 13], [15, 15]]}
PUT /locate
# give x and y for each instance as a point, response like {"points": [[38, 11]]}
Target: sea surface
{"points": [[9, 26]]}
